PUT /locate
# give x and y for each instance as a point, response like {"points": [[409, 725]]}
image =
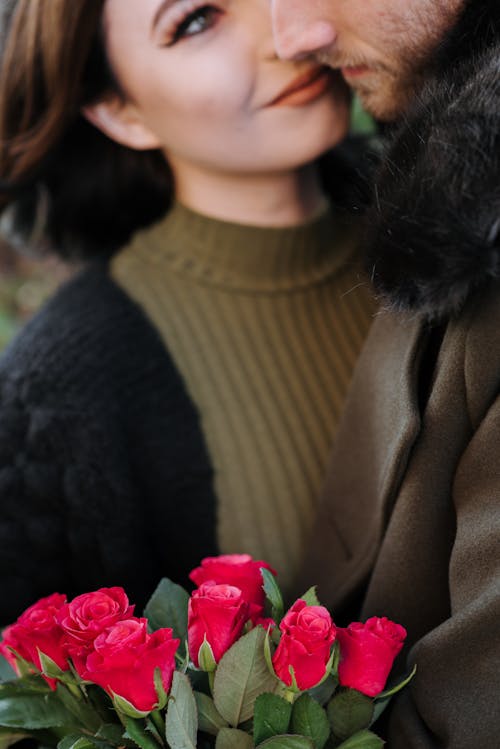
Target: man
{"points": [[411, 512]]}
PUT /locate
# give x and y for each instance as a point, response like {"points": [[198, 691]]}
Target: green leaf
{"points": [[287, 741], [209, 718], [311, 597], [83, 741], [168, 607], [241, 676], [136, 731], [34, 712], [273, 594], [100, 702], [125, 707], [362, 740], [349, 712], [398, 687], [76, 741], [28, 685], [231, 738], [112, 733], [336, 660], [159, 689], [382, 700], [206, 658], [329, 666], [293, 686], [84, 713], [50, 667], [181, 723], [309, 719], [323, 693], [271, 716], [268, 655]]}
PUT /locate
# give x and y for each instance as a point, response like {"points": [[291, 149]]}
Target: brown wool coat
{"points": [[412, 502]]}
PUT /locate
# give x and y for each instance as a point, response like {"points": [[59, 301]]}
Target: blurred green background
{"points": [[25, 283], [24, 286]]}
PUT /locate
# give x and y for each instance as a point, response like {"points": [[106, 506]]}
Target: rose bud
{"points": [[367, 652], [217, 613], [125, 658], [307, 636], [89, 614], [239, 570], [37, 630]]}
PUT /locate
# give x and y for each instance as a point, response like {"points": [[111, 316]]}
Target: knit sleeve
{"points": [[32, 535]]}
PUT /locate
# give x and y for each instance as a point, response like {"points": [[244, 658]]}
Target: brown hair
{"points": [[95, 192], [45, 55]]}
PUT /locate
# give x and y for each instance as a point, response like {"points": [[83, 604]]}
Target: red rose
{"points": [[367, 652], [124, 660], [307, 636], [219, 613], [37, 629], [239, 570], [90, 614]]}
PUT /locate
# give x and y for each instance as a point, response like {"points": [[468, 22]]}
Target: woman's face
{"points": [[202, 82]]}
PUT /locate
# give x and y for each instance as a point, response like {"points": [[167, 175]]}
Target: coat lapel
{"points": [[378, 428]]}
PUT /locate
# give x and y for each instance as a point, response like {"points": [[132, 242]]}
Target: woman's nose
{"points": [[299, 31]]}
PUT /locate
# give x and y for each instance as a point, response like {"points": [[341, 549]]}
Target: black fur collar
{"points": [[434, 229]]}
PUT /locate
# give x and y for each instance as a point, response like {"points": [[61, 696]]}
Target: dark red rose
{"points": [[367, 652], [37, 630], [89, 614], [266, 622], [306, 641], [124, 660], [219, 613], [239, 570]]}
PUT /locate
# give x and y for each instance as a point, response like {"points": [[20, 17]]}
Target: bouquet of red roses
{"points": [[224, 667]]}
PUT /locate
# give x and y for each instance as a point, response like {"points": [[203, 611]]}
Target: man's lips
{"points": [[355, 71], [306, 87]]}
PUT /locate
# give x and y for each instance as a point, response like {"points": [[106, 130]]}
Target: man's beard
{"points": [[388, 89], [387, 96]]}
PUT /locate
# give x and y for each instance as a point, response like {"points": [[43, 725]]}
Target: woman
{"points": [[179, 396]]}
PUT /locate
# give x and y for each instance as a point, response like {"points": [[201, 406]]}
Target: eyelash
{"points": [[179, 26]]}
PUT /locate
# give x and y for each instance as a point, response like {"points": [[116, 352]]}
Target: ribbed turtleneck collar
{"points": [[236, 256]]}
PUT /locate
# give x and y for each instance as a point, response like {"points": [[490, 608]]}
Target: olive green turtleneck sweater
{"points": [[265, 325]]}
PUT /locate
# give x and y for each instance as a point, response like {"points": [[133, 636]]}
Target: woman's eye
{"points": [[197, 22]]}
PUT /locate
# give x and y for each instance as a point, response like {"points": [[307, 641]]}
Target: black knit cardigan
{"points": [[104, 474]]}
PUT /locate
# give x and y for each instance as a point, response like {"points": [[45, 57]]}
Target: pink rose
{"points": [[367, 652], [306, 641], [219, 613], [239, 570], [89, 614], [37, 630], [124, 660]]}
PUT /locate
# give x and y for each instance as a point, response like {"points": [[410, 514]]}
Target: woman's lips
{"points": [[304, 89]]}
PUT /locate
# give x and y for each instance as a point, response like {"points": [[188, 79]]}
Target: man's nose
{"points": [[299, 31]]}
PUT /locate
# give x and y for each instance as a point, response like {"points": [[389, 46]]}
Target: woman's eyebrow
{"points": [[165, 5]]}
